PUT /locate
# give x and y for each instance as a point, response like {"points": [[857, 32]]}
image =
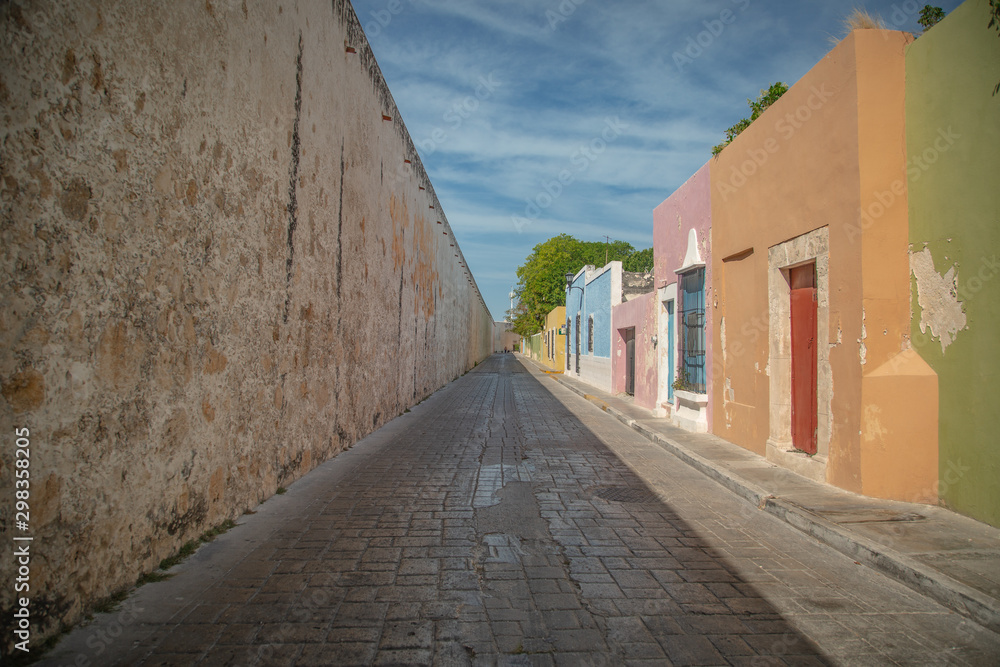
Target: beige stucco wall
{"points": [[222, 263]]}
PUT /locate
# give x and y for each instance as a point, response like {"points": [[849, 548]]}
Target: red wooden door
{"points": [[803, 307]]}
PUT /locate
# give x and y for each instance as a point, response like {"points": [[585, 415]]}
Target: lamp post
{"points": [[569, 283]]}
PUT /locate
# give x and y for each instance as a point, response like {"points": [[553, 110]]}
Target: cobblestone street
{"points": [[506, 520]]}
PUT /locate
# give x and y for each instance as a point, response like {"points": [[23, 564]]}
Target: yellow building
{"points": [[553, 348]]}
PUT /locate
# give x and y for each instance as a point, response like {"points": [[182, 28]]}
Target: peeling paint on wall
{"points": [[862, 348], [871, 424], [722, 337], [937, 296]]}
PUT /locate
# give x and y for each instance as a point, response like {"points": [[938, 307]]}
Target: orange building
{"points": [[813, 364]]}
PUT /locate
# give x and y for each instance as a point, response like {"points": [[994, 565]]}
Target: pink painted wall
{"points": [[640, 313], [689, 207]]}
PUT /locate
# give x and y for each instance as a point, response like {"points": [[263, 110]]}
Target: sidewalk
{"points": [[951, 558]]}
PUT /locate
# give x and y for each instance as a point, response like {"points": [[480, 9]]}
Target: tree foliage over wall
{"points": [[542, 278], [640, 261], [930, 16], [757, 107]]}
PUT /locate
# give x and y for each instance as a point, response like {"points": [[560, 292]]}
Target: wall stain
{"points": [[293, 177], [340, 232], [399, 325]]}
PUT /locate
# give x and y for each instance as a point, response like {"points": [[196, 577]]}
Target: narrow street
{"points": [[506, 520]]}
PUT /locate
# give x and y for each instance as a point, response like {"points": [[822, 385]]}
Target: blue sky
{"points": [[540, 117]]}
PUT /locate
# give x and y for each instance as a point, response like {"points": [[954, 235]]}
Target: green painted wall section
{"points": [[953, 152], [535, 347]]}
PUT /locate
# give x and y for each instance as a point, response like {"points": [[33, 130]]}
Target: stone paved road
{"points": [[507, 521]]}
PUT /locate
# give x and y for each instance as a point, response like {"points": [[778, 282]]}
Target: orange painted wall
{"points": [[898, 450], [899, 430], [821, 156], [795, 169]]}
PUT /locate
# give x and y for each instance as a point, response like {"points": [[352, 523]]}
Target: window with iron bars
{"points": [[590, 334], [692, 321]]}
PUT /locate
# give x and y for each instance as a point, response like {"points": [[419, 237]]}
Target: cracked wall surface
{"points": [[222, 263]]}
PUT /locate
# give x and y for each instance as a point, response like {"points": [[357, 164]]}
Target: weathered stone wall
{"points": [[636, 284], [222, 263]]}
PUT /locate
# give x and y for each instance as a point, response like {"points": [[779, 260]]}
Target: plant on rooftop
{"points": [[930, 16], [757, 107], [861, 19]]}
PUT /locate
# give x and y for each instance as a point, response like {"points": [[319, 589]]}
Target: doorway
{"points": [[629, 335], [802, 283]]}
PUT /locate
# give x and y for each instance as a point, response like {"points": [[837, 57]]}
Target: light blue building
{"points": [[590, 296]]}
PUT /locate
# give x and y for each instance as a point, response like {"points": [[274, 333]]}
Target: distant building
{"points": [[634, 340], [548, 347], [504, 338], [591, 295]]}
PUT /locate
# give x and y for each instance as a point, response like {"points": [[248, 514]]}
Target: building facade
{"points": [[591, 295], [682, 251], [548, 346], [554, 339], [634, 342], [953, 159], [811, 271]]}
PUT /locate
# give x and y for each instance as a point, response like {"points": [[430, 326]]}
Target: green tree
{"points": [[542, 278], [639, 261], [757, 107], [930, 16]]}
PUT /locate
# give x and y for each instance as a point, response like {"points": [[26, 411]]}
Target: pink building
{"points": [[634, 340], [682, 304]]}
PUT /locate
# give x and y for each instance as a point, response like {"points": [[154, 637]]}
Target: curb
{"points": [[936, 585]]}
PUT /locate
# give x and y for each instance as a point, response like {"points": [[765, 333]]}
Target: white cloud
{"points": [[556, 89]]}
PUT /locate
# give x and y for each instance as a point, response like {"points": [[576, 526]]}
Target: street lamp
{"points": [[569, 283]]}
